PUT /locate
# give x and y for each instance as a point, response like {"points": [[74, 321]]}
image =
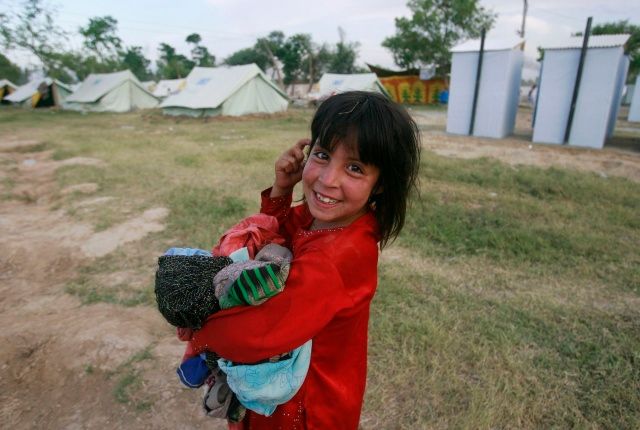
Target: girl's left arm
{"points": [[314, 293]]}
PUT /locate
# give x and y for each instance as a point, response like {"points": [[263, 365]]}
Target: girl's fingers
{"points": [[298, 148]]}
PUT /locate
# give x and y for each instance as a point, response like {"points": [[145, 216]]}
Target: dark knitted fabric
{"points": [[184, 288]]}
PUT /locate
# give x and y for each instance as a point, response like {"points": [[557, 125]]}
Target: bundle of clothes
{"points": [[247, 267]]}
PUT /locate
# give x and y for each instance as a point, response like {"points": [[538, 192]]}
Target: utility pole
{"points": [[524, 19]]}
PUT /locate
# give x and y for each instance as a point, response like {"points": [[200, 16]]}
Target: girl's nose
{"points": [[330, 175]]}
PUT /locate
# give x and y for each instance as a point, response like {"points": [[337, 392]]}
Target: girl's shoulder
{"points": [[357, 242]]}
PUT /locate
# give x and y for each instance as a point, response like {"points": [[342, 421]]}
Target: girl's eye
{"points": [[355, 168], [321, 155]]}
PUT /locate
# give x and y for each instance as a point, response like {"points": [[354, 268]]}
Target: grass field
{"points": [[511, 300]]}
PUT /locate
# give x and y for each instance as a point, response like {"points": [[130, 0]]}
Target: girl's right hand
{"points": [[289, 168]]}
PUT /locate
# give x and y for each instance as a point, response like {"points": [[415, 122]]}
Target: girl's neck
{"points": [[323, 225]]}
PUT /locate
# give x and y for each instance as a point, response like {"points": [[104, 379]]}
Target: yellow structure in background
{"points": [[412, 90]]}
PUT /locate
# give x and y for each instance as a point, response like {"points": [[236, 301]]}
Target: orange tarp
{"points": [[410, 89]]}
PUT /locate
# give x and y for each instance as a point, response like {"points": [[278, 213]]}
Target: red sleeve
{"points": [[314, 293], [289, 218]]}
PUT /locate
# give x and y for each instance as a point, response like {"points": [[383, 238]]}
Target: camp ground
{"points": [[6, 88], [168, 87], [111, 92], [233, 91], [40, 93], [333, 83]]}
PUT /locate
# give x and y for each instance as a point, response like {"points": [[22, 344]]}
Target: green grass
{"points": [[510, 300], [89, 292], [129, 381]]}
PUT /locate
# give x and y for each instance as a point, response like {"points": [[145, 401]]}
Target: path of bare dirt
{"points": [[61, 362], [518, 149]]}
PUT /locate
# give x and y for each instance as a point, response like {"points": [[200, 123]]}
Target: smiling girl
{"points": [[363, 162]]}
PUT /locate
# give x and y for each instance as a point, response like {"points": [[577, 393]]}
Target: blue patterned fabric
{"points": [[262, 387], [187, 252]]}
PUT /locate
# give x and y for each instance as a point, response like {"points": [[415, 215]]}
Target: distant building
{"points": [[599, 94], [111, 92], [39, 93], [333, 83], [226, 90], [498, 87], [6, 88], [634, 109], [407, 86]]}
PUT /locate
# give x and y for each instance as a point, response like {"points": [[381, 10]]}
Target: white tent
{"points": [[38, 93], [498, 89], [149, 85], [599, 95], [169, 87], [332, 83], [230, 90], [634, 109], [6, 87], [111, 92]]}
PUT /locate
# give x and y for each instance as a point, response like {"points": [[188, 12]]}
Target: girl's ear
{"points": [[377, 191]]}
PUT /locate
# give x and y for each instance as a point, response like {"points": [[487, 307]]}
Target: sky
{"points": [[229, 25]]}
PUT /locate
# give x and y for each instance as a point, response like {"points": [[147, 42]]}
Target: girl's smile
{"points": [[337, 185]]}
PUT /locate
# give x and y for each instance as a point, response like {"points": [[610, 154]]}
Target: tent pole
{"points": [[576, 87], [477, 88]]}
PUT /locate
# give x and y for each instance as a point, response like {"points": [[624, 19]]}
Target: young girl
{"points": [[363, 161]]}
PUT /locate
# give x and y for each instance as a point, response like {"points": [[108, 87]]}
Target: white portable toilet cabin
{"points": [[111, 92], [226, 90], [498, 87], [599, 94], [634, 109]]}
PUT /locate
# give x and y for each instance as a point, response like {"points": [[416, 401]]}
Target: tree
{"points": [[10, 71], [343, 59], [200, 54], [248, 56], [172, 65], [272, 46], [133, 59], [322, 58], [33, 29], [633, 44], [100, 37], [295, 52], [435, 27]]}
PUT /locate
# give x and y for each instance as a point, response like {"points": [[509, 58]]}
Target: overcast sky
{"points": [[229, 25]]}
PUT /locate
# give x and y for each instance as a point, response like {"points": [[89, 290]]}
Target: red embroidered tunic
{"points": [[332, 280]]}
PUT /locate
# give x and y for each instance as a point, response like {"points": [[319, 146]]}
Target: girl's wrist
{"points": [[277, 191]]}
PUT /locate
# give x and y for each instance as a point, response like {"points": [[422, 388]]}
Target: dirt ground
{"points": [[60, 360], [619, 157]]}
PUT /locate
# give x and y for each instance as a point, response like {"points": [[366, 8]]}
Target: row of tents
{"points": [[206, 91]]}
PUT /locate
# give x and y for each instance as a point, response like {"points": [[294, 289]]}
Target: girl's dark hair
{"points": [[387, 137]]}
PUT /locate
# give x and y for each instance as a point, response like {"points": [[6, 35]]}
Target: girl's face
{"points": [[337, 185]]}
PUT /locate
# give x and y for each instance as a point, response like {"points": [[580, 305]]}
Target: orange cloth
{"points": [[254, 232]]}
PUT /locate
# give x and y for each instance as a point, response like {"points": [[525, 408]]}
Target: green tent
{"points": [[230, 90], [111, 92]]}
